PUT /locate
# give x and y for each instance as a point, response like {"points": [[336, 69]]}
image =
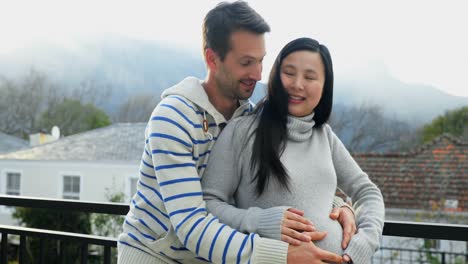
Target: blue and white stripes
{"points": [[167, 214]]}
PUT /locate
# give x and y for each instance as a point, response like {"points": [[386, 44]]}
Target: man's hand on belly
{"points": [[308, 252]]}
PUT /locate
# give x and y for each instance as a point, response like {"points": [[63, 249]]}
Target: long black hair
{"points": [[271, 132]]}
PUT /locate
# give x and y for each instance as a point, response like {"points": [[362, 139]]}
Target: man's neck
{"points": [[225, 105]]}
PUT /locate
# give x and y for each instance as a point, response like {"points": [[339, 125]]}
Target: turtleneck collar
{"points": [[300, 128]]}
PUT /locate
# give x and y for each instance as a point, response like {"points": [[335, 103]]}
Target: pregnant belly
{"points": [[331, 242]]}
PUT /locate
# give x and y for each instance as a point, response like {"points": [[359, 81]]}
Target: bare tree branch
{"points": [[366, 128]]}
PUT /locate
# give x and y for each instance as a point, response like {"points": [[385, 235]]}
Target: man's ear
{"points": [[211, 58]]}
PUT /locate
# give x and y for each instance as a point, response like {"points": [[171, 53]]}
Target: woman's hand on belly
{"points": [[347, 220], [294, 225]]}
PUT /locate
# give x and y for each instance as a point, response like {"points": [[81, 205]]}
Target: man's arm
{"points": [[171, 135]]}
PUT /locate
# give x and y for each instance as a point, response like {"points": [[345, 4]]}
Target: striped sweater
{"points": [[168, 217]]}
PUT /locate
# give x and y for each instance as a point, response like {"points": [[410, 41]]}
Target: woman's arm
{"points": [[367, 201]]}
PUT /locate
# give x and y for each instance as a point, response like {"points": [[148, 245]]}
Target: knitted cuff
{"points": [[131, 254], [359, 250], [350, 208], [269, 251], [270, 222], [338, 202]]}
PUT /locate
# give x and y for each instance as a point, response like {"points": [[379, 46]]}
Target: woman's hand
{"points": [[293, 225], [345, 217]]}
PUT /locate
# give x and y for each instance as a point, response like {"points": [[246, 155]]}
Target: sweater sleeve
{"points": [[367, 200], [221, 180], [171, 135], [339, 202]]}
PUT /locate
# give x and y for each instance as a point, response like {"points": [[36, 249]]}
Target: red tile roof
{"points": [[432, 177]]}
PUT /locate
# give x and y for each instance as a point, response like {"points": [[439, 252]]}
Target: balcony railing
{"points": [[411, 256], [391, 228]]}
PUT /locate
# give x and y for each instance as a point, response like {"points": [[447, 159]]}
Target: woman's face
{"points": [[303, 76]]}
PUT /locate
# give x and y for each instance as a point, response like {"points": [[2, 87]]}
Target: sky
{"points": [[418, 41]]}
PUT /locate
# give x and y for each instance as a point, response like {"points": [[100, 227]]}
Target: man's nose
{"points": [[256, 73]]}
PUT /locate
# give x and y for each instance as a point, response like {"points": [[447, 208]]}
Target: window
{"points": [[71, 187], [13, 183]]}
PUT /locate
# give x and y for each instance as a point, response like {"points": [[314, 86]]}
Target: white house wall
{"points": [[45, 178]]}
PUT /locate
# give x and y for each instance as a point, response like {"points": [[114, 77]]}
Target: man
{"points": [[168, 221]]}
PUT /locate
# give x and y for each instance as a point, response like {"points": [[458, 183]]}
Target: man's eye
{"points": [[245, 63]]}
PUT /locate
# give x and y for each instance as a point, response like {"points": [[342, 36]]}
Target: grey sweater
{"points": [[317, 162]]}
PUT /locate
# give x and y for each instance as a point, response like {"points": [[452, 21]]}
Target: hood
{"points": [[191, 88]]}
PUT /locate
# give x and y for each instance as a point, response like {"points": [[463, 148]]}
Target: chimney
{"points": [[42, 137]]}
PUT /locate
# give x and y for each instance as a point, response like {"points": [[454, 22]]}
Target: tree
{"points": [[76, 222], [24, 101], [73, 117], [454, 122], [91, 92], [109, 225], [137, 108], [21, 102], [366, 128]]}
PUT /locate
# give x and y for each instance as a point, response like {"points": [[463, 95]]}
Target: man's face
{"points": [[237, 75]]}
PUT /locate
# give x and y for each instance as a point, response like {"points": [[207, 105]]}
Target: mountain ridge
{"points": [[138, 66]]}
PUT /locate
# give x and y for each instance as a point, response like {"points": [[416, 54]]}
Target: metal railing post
{"points": [[61, 252], [22, 249], [41, 251], [107, 255], [84, 253], [4, 248]]}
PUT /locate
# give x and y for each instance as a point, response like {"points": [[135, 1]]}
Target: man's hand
{"points": [[293, 225], [347, 259], [345, 217], [308, 253]]}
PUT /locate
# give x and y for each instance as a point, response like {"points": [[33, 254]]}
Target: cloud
{"points": [[420, 41]]}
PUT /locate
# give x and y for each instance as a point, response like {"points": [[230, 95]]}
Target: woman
{"points": [[286, 156]]}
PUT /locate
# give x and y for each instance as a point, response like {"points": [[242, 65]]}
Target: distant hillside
{"points": [[416, 103], [127, 65], [135, 66]]}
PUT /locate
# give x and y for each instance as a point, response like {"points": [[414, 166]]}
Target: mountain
{"points": [[128, 66], [415, 103], [136, 66]]}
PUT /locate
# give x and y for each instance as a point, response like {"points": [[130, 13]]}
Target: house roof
{"points": [[10, 143], [421, 179], [117, 142], [425, 178]]}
